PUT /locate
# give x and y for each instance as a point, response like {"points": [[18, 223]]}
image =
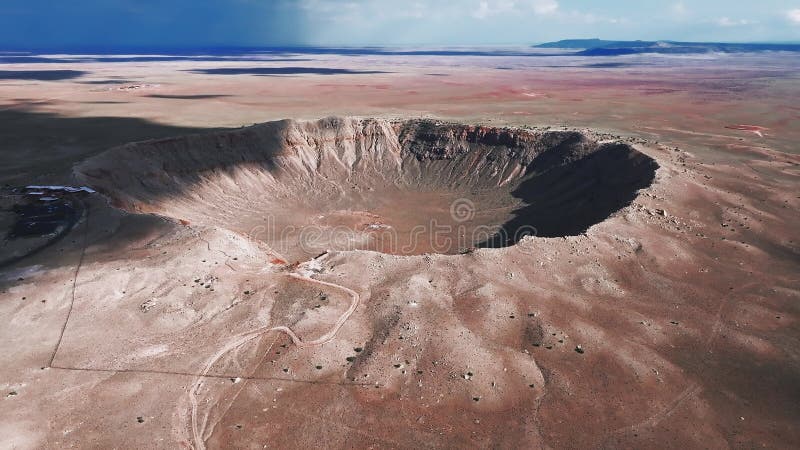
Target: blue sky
{"points": [[188, 23]]}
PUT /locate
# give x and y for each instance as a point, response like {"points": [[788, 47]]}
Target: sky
{"points": [[202, 23]]}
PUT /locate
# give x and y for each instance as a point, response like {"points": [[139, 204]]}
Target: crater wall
{"points": [[405, 187]]}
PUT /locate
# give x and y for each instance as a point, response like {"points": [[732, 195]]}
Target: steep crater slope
{"points": [[403, 187]]}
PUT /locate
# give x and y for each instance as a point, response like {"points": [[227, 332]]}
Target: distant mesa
{"points": [[583, 44], [599, 47]]}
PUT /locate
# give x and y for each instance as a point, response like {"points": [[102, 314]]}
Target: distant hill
{"points": [[586, 44], [599, 47]]}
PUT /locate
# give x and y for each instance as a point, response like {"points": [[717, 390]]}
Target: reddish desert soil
{"points": [[160, 321]]}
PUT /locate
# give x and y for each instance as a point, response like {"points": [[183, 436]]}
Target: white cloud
{"points": [[491, 8], [679, 9], [794, 16], [728, 22], [543, 7], [488, 8], [483, 11], [577, 17], [353, 10]]}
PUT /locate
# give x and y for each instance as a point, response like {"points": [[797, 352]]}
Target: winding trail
{"points": [[241, 339], [663, 413]]}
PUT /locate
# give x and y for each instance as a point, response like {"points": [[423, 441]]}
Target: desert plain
{"points": [[160, 312]]}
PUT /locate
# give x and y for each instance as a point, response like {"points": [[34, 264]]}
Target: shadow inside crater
{"points": [[565, 198]]}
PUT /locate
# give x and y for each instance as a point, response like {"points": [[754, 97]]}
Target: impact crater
{"points": [[402, 187]]}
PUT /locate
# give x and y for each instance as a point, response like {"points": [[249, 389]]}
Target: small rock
{"points": [[579, 349], [140, 419], [148, 305]]}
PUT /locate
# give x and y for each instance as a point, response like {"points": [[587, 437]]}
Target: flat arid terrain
{"points": [[471, 248]]}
